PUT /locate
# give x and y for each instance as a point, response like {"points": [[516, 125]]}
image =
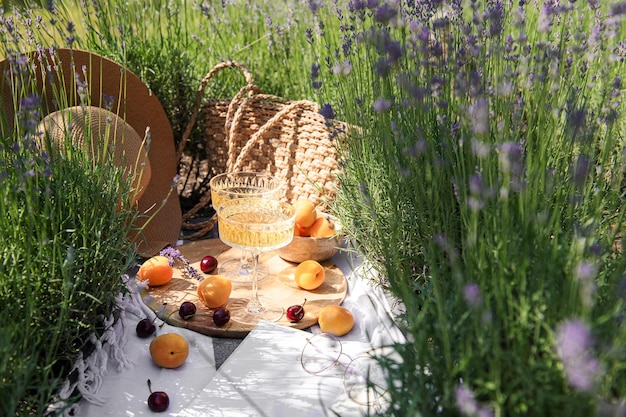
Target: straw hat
{"points": [[103, 84]]}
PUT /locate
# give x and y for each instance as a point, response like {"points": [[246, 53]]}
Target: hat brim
{"points": [[133, 102]]}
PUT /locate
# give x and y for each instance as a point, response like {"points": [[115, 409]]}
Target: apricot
{"points": [[169, 350], [305, 212], [323, 226], [301, 231], [214, 291], [156, 270], [335, 320], [309, 275]]}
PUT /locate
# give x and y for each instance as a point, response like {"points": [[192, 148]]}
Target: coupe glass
{"points": [[256, 225], [238, 185]]}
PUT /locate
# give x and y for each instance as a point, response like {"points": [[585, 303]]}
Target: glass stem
{"points": [[254, 305], [244, 262]]}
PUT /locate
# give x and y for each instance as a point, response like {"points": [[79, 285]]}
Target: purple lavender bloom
{"points": [[581, 170], [385, 14], [468, 405], [108, 101], [327, 111], [495, 16], [315, 70], [586, 273], [342, 68], [480, 149], [473, 295], [510, 157], [171, 253], [593, 4], [465, 401], [576, 120], [315, 5], [618, 9], [382, 105], [357, 5], [418, 148], [545, 19], [29, 113], [478, 114], [574, 347], [476, 184]]}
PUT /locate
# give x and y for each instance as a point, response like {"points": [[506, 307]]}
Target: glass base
{"points": [[269, 311], [240, 273]]}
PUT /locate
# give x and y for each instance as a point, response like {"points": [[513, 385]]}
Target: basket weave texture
{"points": [[259, 132]]}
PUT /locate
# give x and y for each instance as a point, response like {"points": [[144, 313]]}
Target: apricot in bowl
{"points": [[320, 241]]}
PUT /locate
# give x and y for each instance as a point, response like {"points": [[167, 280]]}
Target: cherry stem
{"points": [[150, 386]]}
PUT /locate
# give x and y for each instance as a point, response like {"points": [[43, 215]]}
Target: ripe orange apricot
{"points": [[301, 231], [214, 290], [156, 270], [305, 212], [309, 275], [169, 350], [323, 226], [336, 320]]}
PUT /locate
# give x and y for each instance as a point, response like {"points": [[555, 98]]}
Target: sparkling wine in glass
{"points": [[256, 225], [238, 185]]}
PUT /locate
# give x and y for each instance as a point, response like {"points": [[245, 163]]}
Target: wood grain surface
{"points": [[279, 285]]}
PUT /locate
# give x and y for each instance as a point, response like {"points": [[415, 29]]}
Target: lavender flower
{"points": [[581, 170], [315, 5], [618, 9], [327, 111], [382, 105], [473, 296], [574, 348], [82, 87], [495, 14], [29, 113], [173, 255], [385, 13], [342, 68], [478, 114], [108, 101], [586, 273], [468, 405]]}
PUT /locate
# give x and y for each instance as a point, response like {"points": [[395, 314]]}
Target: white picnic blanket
{"points": [[115, 383]]}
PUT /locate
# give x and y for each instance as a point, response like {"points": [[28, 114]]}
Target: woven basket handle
{"points": [[237, 159], [248, 88]]}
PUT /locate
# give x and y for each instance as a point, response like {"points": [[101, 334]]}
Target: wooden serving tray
{"points": [[279, 285]]}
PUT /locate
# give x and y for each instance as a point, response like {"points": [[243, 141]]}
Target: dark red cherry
{"points": [[158, 400], [145, 328], [208, 264], [296, 313], [187, 310], [221, 316]]}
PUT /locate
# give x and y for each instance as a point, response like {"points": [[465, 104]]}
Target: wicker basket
{"points": [[259, 132]]}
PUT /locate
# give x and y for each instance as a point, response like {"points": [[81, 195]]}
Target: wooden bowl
{"points": [[316, 248]]}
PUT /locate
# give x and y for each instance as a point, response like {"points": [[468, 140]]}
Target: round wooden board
{"points": [[279, 285]]}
